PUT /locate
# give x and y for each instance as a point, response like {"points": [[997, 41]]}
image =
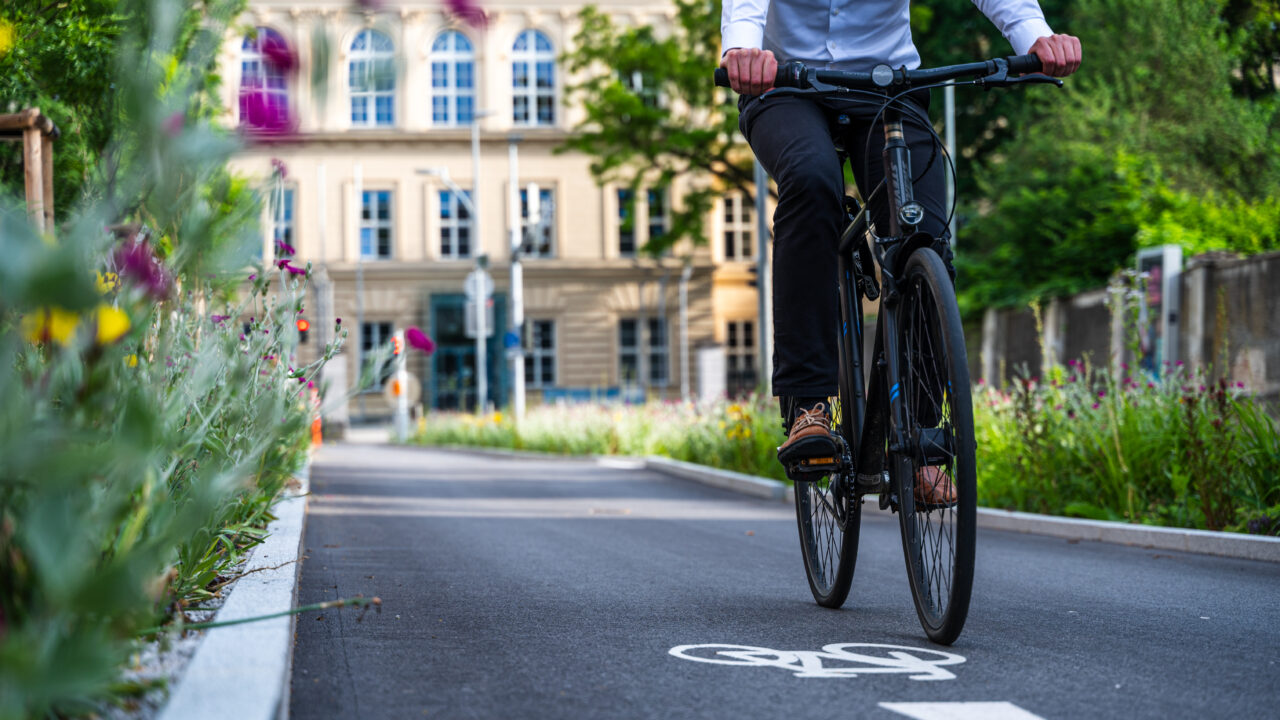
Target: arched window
{"points": [[453, 79], [372, 80], [533, 80], [265, 63]]}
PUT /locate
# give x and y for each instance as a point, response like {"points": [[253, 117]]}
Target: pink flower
{"points": [[136, 262], [468, 11], [219, 319], [173, 124], [1095, 406], [1102, 393], [283, 248], [278, 55], [286, 265], [418, 339]]}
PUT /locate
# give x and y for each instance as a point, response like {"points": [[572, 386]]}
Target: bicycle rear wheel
{"points": [[937, 537], [827, 512]]}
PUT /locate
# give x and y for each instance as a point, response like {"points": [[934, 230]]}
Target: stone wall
{"points": [[1229, 320]]}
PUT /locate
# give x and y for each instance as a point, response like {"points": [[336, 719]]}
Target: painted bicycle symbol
{"points": [[838, 660]]}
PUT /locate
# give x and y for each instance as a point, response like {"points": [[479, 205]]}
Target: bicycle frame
{"points": [[866, 424]]}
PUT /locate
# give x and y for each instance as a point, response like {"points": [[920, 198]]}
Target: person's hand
{"points": [[1059, 54], [751, 70]]}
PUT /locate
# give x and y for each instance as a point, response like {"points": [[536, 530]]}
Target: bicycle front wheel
{"points": [[938, 532]]}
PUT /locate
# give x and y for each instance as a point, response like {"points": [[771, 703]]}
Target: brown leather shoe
{"points": [[934, 487], [810, 437]]}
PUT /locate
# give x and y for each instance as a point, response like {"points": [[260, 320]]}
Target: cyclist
{"points": [[795, 137]]}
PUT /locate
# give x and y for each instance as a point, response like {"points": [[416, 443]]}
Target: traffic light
{"points": [[303, 327]]}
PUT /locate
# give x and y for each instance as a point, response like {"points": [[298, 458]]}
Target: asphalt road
{"points": [[559, 589]]}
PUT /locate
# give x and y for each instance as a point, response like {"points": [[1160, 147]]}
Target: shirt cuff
{"points": [[741, 34], [1024, 33]]}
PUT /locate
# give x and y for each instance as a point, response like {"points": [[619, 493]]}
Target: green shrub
{"points": [[1184, 451], [143, 436]]}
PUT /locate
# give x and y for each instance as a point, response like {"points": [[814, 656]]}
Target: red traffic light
{"points": [[303, 325]]}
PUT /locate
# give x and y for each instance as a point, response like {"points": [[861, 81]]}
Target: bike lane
{"points": [[530, 588]]}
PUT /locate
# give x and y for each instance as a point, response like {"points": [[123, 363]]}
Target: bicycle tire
{"points": [[828, 514], [937, 540]]}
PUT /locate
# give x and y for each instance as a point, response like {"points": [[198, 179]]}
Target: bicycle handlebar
{"points": [[994, 72]]}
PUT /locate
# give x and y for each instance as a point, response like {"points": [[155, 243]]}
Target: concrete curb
{"points": [[243, 671], [1203, 542]]}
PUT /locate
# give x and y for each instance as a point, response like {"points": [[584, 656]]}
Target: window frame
{"points": [[453, 60], [533, 60], [538, 358], [627, 211], [373, 223], [738, 233], [371, 57], [646, 347], [454, 218], [253, 55], [547, 199], [741, 355]]}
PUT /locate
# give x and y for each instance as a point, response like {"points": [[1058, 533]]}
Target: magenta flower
{"points": [[1102, 394], [286, 265], [278, 167], [1095, 406], [468, 11], [283, 248], [252, 277], [265, 113], [136, 262], [219, 319], [278, 55], [418, 339], [173, 124]]}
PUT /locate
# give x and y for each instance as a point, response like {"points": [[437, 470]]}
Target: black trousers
{"points": [[795, 139]]}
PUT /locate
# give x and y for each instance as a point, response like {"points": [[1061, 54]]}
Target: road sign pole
{"points": [[517, 279]]}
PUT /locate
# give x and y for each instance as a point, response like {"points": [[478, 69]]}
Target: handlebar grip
{"points": [[790, 74], [1023, 64]]}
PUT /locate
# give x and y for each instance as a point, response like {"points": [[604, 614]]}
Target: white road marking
{"points": [[960, 711], [620, 463], [834, 661]]}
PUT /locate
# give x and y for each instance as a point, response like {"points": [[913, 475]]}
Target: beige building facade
{"points": [[376, 137]]}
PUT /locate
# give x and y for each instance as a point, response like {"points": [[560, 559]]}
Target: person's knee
{"points": [[813, 181]]}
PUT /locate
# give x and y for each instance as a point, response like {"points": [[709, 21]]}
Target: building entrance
{"points": [[453, 366]]}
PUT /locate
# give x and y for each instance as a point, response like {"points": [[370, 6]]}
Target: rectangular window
{"points": [[738, 227], [373, 337], [740, 357], [658, 219], [651, 347], [455, 226], [375, 225], [540, 360], [626, 222], [284, 221], [539, 237]]}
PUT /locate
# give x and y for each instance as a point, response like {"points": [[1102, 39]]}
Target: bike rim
{"points": [[931, 529]]}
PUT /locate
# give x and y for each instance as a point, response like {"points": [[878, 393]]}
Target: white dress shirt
{"points": [[857, 34]]}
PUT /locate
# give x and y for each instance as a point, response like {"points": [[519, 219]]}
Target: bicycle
{"points": [[914, 410]]}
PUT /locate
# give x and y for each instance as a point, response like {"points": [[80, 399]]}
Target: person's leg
{"points": [[792, 139]]}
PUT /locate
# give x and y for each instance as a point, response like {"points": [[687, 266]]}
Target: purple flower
{"points": [[136, 262], [1240, 385], [286, 265], [251, 279], [263, 113], [219, 319], [283, 248], [1095, 406], [278, 55], [173, 124], [278, 166], [338, 321], [418, 339], [468, 11], [1102, 393]]}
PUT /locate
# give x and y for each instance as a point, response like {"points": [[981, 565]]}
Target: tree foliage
{"points": [[1151, 132], [653, 115], [59, 59]]}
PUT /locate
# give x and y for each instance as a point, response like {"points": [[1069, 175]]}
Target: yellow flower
{"points": [[735, 408], [112, 324], [746, 432], [50, 324], [6, 37], [131, 361], [497, 418], [107, 282]]}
